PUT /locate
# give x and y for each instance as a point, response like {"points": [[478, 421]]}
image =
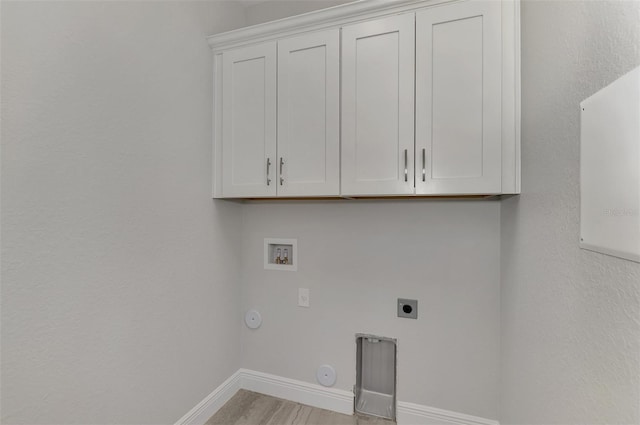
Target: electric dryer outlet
{"points": [[407, 308]]}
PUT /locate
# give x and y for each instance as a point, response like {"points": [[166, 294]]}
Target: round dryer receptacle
{"points": [[326, 375], [252, 319]]}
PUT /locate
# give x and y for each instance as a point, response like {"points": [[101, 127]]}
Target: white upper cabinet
{"points": [[249, 121], [458, 99], [378, 107], [296, 92], [309, 115], [371, 99]]}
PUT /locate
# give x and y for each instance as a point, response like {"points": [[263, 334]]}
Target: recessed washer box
{"points": [[275, 248]]}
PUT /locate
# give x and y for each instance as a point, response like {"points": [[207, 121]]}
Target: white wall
{"points": [[571, 318], [357, 258], [119, 274]]}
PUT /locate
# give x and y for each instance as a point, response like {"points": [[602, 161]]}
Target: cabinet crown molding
{"points": [[316, 20]]}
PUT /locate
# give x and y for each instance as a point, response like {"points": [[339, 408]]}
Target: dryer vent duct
{"points": [[376, 376]]}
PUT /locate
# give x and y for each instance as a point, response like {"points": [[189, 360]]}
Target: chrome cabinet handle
{"points": [[281, 164], [268, 166], [424, 164], [406, 171]]}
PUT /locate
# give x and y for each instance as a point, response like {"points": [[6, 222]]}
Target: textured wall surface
{"points": [[119, 273], [357, 258], [571, 318]]}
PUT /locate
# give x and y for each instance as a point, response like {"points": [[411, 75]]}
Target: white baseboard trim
{"points": [[340, 401], [418, 414], [333, 399], [200, 414]]}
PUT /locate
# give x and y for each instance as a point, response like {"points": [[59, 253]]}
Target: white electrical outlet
{"points": [[303, 297]]}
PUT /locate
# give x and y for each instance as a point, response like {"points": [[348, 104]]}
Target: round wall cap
{"points": [[326, 375], [253, 319]]}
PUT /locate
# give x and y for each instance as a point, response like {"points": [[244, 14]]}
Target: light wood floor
{"points": [[249, 408]]}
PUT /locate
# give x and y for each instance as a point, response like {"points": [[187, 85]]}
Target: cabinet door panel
{"points": [[308, 115], [458, 79], [377, 107], [249, 121]]}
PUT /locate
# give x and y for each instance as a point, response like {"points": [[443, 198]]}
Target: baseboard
{"points": [[212, 403], [333, 399], [418, 414], [340, 401]]}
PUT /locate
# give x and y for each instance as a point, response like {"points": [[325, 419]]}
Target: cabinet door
{"points": [[308, 115], [458, 83], [249, 121], [377, 106]]}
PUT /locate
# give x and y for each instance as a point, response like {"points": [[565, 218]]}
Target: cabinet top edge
{"points": [[331, 17]]}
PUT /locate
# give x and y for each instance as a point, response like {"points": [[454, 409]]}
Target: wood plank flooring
{"points": [[249, 408]]}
